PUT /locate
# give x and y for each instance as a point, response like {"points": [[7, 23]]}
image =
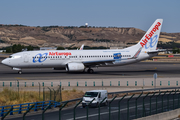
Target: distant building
{"points": [[48, 48]]}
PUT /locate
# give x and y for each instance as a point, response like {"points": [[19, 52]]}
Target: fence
{"points": [[133, 104], [90, 83], [125, 105]]}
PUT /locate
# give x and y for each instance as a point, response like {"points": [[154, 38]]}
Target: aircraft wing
{"points": [[103, 62], [99, 62], [108, 62]]}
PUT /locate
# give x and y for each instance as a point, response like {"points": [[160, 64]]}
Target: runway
{"points": [[137, 70]]}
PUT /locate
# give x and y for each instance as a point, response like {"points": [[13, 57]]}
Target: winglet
{"points": [[82, 47], [137, 53]]}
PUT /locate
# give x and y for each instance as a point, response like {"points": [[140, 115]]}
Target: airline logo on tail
{"points": [[148, 36], [152, 42]]}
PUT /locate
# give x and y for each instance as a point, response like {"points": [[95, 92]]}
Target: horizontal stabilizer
{"points": [[156, 51]]}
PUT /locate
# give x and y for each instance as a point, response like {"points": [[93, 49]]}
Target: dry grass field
{"points": [[10, 97]]}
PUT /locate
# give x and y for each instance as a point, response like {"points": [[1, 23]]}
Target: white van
{"points": [[99, 95]]}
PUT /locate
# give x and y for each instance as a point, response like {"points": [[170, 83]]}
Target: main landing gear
{"points": [[90, 70]]}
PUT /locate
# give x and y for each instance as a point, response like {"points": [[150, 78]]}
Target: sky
{"points": [[100, 13]]}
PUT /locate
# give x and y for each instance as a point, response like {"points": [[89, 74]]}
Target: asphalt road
{"points": [[81, 113], [137, 70]]}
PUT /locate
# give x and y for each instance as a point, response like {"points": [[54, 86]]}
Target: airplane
{"points": [[80, 60]]}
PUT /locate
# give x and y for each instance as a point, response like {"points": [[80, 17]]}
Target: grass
{"points": [[11, 97]]}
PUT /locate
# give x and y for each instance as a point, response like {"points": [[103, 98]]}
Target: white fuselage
{"points": [[59, 58]]}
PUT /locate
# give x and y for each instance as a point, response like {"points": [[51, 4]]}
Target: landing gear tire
{"points": [[19, 72], [90, 71]]}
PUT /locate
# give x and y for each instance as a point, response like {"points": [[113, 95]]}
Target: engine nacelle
{"points": [[75, 67]]}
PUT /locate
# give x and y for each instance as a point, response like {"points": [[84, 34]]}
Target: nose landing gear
{"points": [[18, 69], [20, 72]]}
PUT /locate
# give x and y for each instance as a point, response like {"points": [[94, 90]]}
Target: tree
{"points": [[17, 48], [60, 48], [176, 50], [29, 48], [8, 50]]}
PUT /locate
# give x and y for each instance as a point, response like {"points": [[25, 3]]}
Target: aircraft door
{"points": [[26, 58]]}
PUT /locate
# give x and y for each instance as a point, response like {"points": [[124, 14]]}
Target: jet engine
{"points": [[72, 67]]}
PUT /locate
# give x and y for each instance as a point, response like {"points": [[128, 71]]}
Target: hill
{"points": [[74, 36]]}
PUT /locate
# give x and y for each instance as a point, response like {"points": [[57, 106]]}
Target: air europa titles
{"points": [[60, 53], [148, 36]]}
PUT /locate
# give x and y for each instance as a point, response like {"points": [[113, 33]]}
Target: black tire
{"points": [[90, 71], [83, 106], [19, 72]]}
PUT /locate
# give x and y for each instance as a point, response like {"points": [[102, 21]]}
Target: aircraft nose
{"points": [[5, 62]]}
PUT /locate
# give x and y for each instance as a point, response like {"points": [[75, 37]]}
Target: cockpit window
{"points": [[14, 56], [17, 56]]}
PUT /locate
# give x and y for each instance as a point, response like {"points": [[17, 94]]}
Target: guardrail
{"points": [[21, 108]]}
